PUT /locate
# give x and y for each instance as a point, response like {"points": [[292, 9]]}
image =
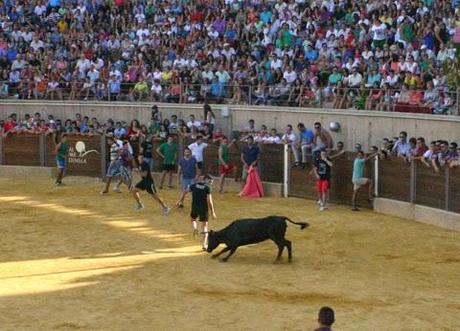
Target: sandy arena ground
{"points": [[71, 259]]}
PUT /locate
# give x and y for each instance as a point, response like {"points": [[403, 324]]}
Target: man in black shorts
{"points": [[147, 184], [201, 203]]}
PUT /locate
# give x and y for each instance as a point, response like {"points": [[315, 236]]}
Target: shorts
{"points": [[61, 164], [322, 185], [147, 185], [126, 173], [149, 161], [358, 182], [202, 216], [185, 183], [225, 170], [168, 167], [114, 169], [200, 165]]}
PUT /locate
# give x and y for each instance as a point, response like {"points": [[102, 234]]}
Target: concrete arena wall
{"points": [[366, 127]]}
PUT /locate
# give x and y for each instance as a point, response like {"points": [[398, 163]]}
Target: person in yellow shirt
{"points": [[140, 90], [63, 26]]}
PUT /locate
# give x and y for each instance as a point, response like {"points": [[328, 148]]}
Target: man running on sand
{"points": [[146, 184], [201, 203]]}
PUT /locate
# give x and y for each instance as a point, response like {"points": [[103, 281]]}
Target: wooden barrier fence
{"points": [[397, 179]]}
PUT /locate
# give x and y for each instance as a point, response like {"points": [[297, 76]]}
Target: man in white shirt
{"points": [[273, 138], [197, 149], [290, 75], [193, 123], [355, 78]]}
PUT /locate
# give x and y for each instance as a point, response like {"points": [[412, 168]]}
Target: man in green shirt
{"points": [[225, 165], [168, 152], [61, 150]]}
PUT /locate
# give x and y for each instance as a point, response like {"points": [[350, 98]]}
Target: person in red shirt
{"points": [[9, 125], [420, 149]]}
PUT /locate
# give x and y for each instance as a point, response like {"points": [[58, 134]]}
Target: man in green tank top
{"points": [[61, 150], [225, 165]]}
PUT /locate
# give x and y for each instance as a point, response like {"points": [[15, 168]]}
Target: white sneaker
{"points": [[318, 202], [166, 211], [116, 189], [139, 207], [322, 208]]}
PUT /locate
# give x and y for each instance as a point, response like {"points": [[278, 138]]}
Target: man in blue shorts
{"points": [[187, 171]]}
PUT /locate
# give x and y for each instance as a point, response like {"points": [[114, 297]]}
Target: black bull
{"points": [[250, 231]]}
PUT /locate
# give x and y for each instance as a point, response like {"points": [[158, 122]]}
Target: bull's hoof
{"points": [[223, 260], [214, 256], [277, 261], [290, 260]]}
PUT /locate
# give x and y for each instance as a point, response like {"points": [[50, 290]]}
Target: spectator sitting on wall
{"points": [[306, 138], [322, 139], [290, 138]]}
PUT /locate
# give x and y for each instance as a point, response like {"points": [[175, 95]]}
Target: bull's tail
{"points": [[303, 225]]}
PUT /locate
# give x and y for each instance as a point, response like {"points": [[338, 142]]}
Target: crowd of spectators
{"points": [[304, 142], [362, 54]]}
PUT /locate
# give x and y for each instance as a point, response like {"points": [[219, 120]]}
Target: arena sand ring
{"points": [[71, 259]]}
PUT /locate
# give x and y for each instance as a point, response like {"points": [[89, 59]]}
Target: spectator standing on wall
{"points": [[197, 149], [306, 139], [358, 178], [168, 152], [249, 157]]}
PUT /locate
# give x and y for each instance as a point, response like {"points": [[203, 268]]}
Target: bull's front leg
{"points": [[232, 250], [226, 249]]}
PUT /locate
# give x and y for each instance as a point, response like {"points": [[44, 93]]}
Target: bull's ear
{"points": [[211, 232]]}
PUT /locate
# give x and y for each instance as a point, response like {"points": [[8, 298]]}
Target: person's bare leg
{"points": [[194, 227], [157, 198], [205, 231], [371, 190], [170, 173], [353, 199], [221, 184], [162, 180], [107, 185]]}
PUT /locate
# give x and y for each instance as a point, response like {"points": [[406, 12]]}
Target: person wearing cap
{"points": [[201, 204]]}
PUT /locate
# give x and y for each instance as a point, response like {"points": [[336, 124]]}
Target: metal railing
{"points": [[435, 101]]}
